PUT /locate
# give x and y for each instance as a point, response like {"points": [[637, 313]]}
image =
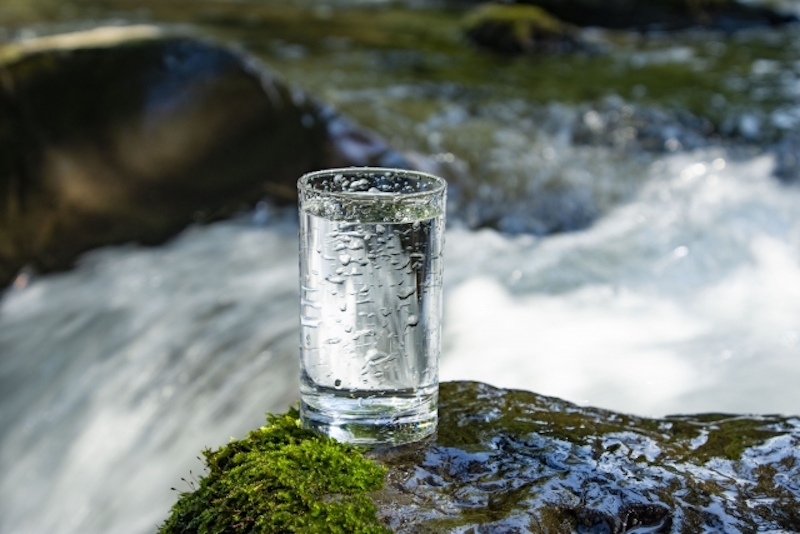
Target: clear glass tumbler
{"points": [[371, 303]]}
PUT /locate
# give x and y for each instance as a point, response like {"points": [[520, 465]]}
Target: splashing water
{"points": [[684, 300], [114, 376]]}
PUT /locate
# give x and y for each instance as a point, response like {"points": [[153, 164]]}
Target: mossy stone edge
{"points": [[281, 478], [503, 461]]}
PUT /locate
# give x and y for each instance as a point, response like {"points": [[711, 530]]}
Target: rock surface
{"points": [[130, 133], [514, 461], [726, 15], [514, 29]]}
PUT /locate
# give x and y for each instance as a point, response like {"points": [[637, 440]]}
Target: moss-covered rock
{"points": [[551, 26], [510, 461], [513, 29], [281, 478], [728, 15]]}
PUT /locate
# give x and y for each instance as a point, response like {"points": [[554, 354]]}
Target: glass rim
{"points": [[304, 185]]}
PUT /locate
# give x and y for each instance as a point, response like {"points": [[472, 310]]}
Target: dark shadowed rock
{"points": [[130, 133], [514, 461], [726, 15], [514, 29], [787, 158]]}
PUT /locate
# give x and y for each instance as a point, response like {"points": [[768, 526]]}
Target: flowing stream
{"points": [[676, 290]]}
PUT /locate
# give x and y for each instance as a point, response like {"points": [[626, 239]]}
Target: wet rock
{"points": [[514, 29], [130, 133], [514, 461], [662, 15], [787, 159], [613, 122]]}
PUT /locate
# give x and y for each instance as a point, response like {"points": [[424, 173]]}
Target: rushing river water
{"points": [[677, 290]]}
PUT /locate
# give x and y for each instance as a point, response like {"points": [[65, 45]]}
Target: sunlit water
{"points": [[687, 299], [116, 374]]}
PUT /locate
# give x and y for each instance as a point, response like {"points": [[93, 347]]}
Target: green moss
{"points": [[512, 29], [523, 19], [281, 478], [732, 438]]}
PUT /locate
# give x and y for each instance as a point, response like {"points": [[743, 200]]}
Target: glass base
{"points": [[370, 418]]}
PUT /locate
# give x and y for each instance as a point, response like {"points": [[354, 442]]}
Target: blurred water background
{"points": [[624, 232]]}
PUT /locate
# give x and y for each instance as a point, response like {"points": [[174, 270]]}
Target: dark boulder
{"points": [[514, 29], [726, 15], [130, 133]]}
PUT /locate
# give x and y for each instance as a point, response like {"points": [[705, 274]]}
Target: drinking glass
{"points": [[371, 303]]}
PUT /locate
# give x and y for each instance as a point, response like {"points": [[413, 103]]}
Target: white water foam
{"points": [[685, 300], [114, 376]]}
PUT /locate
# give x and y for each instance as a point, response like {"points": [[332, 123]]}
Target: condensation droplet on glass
{"points": [[412, 320], [344, 259], [406, 292]]}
